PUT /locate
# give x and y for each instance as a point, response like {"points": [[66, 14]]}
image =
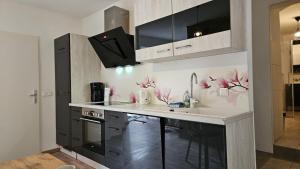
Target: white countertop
{"points": [[200, 114]]}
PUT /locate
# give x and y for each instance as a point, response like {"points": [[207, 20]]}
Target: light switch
{"points": [[223, 92]]}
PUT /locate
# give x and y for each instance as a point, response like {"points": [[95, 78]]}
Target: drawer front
{"points": [[153, 53], [206, 43], [63, 139], [76, 128], [186, 46], [162, 51], [143, 55]]}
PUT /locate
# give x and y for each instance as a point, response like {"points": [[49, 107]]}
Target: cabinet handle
{"points": [[163, 51], [185, 46], [114, 128]]}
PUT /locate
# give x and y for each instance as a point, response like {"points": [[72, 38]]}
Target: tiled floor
{"points": [[267, 161], [291, 136]]}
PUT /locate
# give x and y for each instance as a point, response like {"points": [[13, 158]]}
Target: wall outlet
{"points": [[224, 92]]}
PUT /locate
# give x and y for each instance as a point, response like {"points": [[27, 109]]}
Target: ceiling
{"points": [[75, 8], [287, 22]]}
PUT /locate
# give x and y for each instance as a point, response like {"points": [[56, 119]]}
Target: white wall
{"points": [[286, 56], [20, 18], [176, 74], [277, 75]]}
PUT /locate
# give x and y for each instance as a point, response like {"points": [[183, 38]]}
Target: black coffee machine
{"points": [[97, 92]]}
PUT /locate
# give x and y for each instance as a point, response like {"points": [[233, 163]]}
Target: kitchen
{"points": [[175, 75], [115, 129]]}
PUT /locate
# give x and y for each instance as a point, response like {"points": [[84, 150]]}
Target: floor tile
{"points": [[274, 163], [295, 166]]}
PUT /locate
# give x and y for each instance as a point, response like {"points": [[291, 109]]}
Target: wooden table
{"points": [[40, 161]]}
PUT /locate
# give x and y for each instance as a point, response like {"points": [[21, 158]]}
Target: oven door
{"points": [[93, 139]]}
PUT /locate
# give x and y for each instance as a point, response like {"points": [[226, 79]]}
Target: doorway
{"points": [[19, 108], [285, 59]]}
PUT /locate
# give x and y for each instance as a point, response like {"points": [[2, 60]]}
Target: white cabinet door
{"points": [[150, 10], [181, 5], [143, 55], [216, 41], [155, 53]]}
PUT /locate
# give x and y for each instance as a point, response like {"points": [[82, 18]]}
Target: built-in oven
{"points": [[92, 134]]}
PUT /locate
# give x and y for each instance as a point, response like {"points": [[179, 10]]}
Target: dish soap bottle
{"points": [[186, 99]]}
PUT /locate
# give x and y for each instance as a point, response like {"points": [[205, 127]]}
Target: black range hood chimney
{"points": [[115, 47]]}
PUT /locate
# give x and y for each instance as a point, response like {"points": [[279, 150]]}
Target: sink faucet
{"points": [[194, 75]]}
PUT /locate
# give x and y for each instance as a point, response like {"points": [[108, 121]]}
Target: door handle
{"points": [[34, 94]]}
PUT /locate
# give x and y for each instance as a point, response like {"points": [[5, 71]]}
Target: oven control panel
{"points": [[99, 114]]}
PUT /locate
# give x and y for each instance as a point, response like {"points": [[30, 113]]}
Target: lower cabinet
{"points": [[143, 142], [133, 141], [191, 145]]}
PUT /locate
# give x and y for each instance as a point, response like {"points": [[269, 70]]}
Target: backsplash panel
{"points": [[172, 79]]}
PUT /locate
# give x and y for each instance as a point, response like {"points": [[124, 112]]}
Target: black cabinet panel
{"points": [[154, 33], [133, 142], [63, 90], [205, 19], [191, 145], [208, 18], [76, 131], [62, 44]]}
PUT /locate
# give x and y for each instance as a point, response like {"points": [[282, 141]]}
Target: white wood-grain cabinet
{"points": [[196, 28], [181, 5], [150, 10], [153, 21]]}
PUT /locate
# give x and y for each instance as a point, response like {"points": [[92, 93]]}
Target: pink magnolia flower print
{"points": [[233, 76], [204, 84], [132, 98], [232, 81], [163, 96], [223, 83], [112, 91], [147, 83], [157, 93]]}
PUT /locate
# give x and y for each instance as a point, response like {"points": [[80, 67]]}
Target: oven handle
{"points": [[93, 121]]}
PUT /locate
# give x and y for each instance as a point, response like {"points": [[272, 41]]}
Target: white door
{"points": [[19, 77]]}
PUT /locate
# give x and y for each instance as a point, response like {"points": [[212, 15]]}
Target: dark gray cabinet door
{"points": [[76, 131], [191, 145], [63, 90], [133, 141]]}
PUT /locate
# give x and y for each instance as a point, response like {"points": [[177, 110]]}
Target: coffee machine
{"points": [[97, 91]]}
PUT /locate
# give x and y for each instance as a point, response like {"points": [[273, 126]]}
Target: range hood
{"points": [[115, 47]]}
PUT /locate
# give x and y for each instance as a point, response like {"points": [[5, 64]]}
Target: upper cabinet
{"points": [[150, 10], [181, 5], [195, 28], [154, 31]]}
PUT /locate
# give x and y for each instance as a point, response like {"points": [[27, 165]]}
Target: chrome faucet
{"points": [[192, 84]]}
